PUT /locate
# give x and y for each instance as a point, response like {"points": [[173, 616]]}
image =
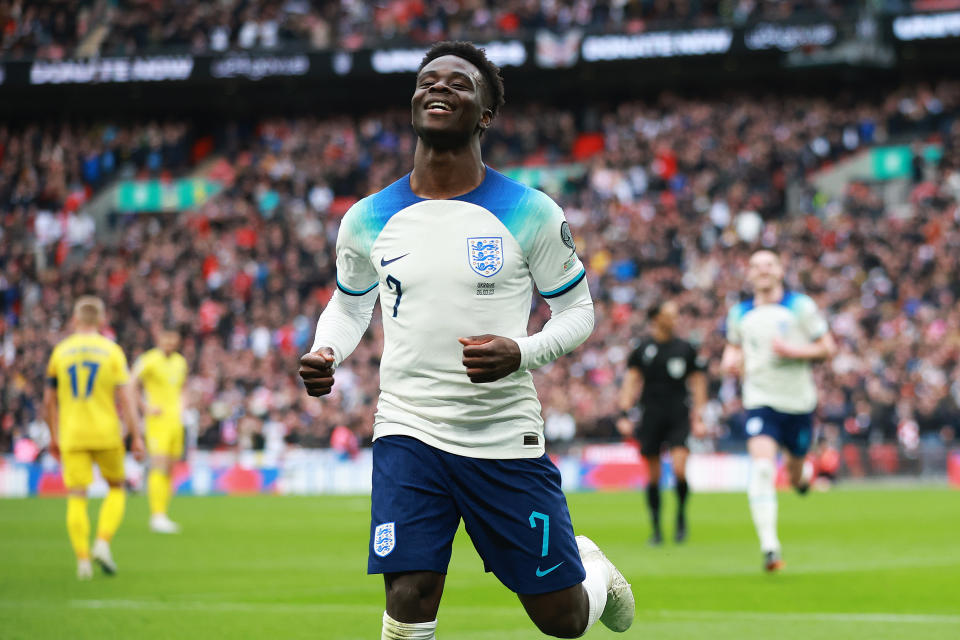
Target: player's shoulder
{"points": [[509, 198], [798, 302], [742, 308], [112, 346], [367, 217], [384, 203], [148, 356]]}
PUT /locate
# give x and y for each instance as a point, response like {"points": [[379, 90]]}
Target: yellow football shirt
{"points": [[86, 369], [163, 378]]}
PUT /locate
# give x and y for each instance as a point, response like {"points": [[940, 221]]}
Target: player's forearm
{"points": [[698, 384], [822, 349], [731, 361], [50, 415], [570, 324], [630, 390], [343, 323]]}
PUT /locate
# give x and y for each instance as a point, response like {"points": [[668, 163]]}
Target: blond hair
{"points": [[88, 311]]}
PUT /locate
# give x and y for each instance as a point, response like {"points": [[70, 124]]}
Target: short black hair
{"points": [[654, 311], [478, 58]]}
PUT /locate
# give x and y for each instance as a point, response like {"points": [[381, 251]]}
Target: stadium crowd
{"points": [[53, 29], [667, 199]]}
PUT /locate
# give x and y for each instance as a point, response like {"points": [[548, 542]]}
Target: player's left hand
{"points": [[488, 357], [137, 448], [697, 426], [784, 350]]}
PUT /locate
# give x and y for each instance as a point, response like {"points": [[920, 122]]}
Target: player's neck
{"points": [[768, 296], [660, 335], [439, 174]]}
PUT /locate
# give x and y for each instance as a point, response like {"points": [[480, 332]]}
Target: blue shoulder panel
{"points": [[372, 213], [517, 206], [743, 308]]}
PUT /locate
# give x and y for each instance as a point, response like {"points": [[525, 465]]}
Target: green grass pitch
{"points": [[861, 563]]}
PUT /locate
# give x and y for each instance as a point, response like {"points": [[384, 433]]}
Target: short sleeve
{"points": [[635, 361], [810, 318], [356, 275], [140, 366], [120, 371], [553, 259], [695, 362], [52, 370], [733, 325]]}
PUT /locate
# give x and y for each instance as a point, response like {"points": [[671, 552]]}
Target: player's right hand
{"points": [[316, 370], [137, 448], [54, 450]]}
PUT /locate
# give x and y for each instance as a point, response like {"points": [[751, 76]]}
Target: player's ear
{"points": [[486, 119]]}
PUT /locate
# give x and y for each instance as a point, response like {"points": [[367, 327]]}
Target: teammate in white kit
{"points": [[772, 339], [453, 251]]}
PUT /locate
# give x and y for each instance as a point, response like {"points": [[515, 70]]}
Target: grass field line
{"points": [[669, 614], [810, 616]]}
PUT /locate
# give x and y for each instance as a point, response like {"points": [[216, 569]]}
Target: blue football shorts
{"points": [[793, 431], [513, 510]]}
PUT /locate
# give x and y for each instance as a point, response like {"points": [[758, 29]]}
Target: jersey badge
{"points": [[676, 367], [485, 255], [566, 236], [384, 538], [650, 353]]}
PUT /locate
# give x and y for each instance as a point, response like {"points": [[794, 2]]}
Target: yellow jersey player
{"points": [[162, 372], [87, 378]]}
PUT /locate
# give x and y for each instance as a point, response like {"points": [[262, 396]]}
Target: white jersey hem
{"points": [[383, 429]]}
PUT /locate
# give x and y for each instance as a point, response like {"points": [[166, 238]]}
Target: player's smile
{"points": [[435, 106], [447, 104]]}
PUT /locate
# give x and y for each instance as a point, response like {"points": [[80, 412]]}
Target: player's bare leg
{"points": [[604, 595], [159, 489], [798, 472], [678, 457], [561, 614], [653, 497], [111, 514], [762, 493], [413, 599], [78, 528]]}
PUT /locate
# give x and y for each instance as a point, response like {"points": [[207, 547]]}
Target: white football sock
{"points": [[596, 585], [393, 630], [762, 494]]}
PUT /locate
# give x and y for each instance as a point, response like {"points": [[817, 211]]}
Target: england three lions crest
{"points": [[384, 538], [486, 255]]}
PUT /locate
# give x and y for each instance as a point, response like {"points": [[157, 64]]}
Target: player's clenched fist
{"points": [[488, 358], [316, 370]]}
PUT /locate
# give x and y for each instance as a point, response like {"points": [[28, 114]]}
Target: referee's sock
{"points": [[682, 490], [653, 503]]}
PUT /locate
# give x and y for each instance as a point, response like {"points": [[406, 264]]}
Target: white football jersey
{"points": [[782, 384], [448, 269]]}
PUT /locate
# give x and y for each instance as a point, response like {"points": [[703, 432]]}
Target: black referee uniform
{"points": [[665, 401]]}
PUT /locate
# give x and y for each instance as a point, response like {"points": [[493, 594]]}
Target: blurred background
{"points": [[190, 163]]}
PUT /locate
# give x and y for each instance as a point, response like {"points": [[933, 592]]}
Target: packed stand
{"points": [[667, 199], [138, 26], [48, 30]]}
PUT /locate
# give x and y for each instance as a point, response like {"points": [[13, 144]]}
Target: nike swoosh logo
{"points": [[384, 262], [540, 574]]}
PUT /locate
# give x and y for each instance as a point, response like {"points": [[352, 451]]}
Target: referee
{"points": [[661, 366]]}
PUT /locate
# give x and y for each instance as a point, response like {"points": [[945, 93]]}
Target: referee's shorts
{"points": [[663, 426]]}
